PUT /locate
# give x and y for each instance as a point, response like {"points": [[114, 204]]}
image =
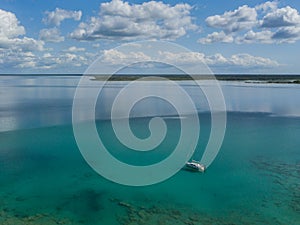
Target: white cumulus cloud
{"points": [[115, 57], [251, 36], [216, 37], [51, 35], [282, 17], [267, 6], [16, 50], [17, 59], [287, 34], [264, 23], [246, 60], [9, 25], [242, 18], [120, 20], [58, 15], [12, 34], [74, 49]]}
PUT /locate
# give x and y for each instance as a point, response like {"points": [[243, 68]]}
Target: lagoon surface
{"points": [[255, 178]]}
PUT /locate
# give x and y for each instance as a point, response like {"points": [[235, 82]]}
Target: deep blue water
{"points": [[255, 178]]}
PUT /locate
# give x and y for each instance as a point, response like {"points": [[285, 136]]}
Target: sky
{"points": [[231, 37]]}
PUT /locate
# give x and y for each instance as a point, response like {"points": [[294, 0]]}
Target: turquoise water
{"points": [[255, 178]]}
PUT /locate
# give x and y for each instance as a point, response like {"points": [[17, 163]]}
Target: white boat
{"points": [[196, 166]]}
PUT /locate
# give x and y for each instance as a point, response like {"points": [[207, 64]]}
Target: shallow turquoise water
{"points": [[255, 178]]}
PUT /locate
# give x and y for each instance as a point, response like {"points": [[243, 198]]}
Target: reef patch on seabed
{"points": [[8, 218], [84, 203], [286, 182], [137, 214]]}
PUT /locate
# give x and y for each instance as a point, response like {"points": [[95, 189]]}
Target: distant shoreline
{"points": [[279, 79], [248, 78]]}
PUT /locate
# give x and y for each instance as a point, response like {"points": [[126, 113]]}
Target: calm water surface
{"points": [[255, 179]]}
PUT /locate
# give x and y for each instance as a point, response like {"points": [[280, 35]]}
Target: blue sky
{"points": [[230, 36]]}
